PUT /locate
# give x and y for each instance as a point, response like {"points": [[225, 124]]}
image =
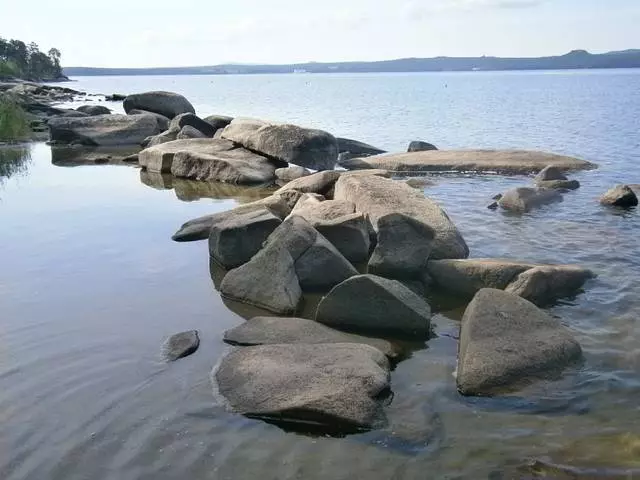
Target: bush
{"points": [[14, 123]]}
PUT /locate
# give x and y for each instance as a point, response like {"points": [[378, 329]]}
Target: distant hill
{"points": [[577, 59]]}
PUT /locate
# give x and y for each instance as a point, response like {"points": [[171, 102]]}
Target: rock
{"points": [[181, 345], [74, 155], [164, 137], [192, 120], [338, 386], [163, 122], [345, 156], [159, 158], [493, 206], [620, 196], [403, 248], [218, 122], [375, 304], [116, 97], [234, 239], [550, 173], [418, 146], [190, 132], [499, 161], [291, 173], [73, 114], [311, 207], [94, 110], [304, 147], [357, 148], [378, 197], [559, 184], [103, 130], [291, 330], [294, 256], [420, 183], [321, 183], [218, 134], [524, 199], [168, 104], [543, 285], [200, 228], [506, 341]]}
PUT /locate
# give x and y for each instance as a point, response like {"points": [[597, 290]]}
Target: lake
{"points": [[91, 284]]}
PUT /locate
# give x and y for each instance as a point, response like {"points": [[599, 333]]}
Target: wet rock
{"points": [[369, 303], [234, 239], [291, 173], [620, 196], [192, 120], [181, 345], [354, 147], [103, 130], [190, 132], [94, 110], [419, 146], [168, 104], [493, 206], [218, 122], [506, 341], [339, 386], [524, 199], [378, 197], [304, 147], [543, 285], [291, 330], [159, 158]]}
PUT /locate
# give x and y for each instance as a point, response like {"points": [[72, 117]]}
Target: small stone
{"points": [[181, 345]]}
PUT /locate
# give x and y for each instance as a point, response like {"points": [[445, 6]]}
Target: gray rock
{"points": [[167, 104], [159, 158], [357, 148], [234, 239], [72, 114], [420, 183], [94, 110], [374, 304], [163, 122], [291, 173], [378, 197], [313, 206], [559, 184], [218, 122], [620, 196], [181, 345], [103, 130], [304, 147], [506, 341], [190, 132], [550, 173], [543, 285], [524, 199], [321, 183], [115, 97], [419, 146], [164, 137], [338, 386], [403, 247], [291, 330], [192, 120]]}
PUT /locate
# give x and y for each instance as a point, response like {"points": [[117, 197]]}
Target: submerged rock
{"points": [[543, 285], [524, 199], [168, 104], [374, 304], [559, 184], [620, 196], [339, 386], [506, 341], [181, 345], [419, 146], [102, 130]]}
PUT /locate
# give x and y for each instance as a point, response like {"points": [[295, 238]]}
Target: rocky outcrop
{"points": [[304, 147], [499, 161], [525, 199], [369, 303], [354, 147], [192, 120], [506, 342], [94, 110], [338, 386], [181, 345], [379, 197], [291, 173], [620, 196], [168, 104], [419, 146], [291, 330], [218, 121], [103, 130], [294, 257]]}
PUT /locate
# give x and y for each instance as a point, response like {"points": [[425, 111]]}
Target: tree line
{"points": [[26, 61]]}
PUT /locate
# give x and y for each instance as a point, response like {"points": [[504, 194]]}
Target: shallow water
{"points": [[91, 284]]}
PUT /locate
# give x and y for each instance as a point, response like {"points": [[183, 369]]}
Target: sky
{"points": [[146, 33]]}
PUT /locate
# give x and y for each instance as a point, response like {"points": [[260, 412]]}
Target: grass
{"points": [[14, 122]]}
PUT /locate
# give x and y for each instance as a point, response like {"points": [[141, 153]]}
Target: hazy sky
{"points": [[130, 33]]}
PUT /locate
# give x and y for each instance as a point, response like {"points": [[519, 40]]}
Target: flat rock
{"points": [[291, 173], [103, 130], [378, 197], [620, 196], [339, 386], [168, 104], [291, 330], [357, 148], [419, 146], [506, 342], [369, 303], [499, 161], [159, 158], [525, 199], [181, 345]]}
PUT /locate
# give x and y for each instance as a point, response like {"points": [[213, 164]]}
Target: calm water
{"points": [[91, 284]]}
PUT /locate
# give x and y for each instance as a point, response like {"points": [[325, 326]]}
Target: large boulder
{"points": [[192, 120], [378, 197], [506, 342], [620, 196], [159, 158], [168, 104], [315, 149], [218, 121], [94, 110], [524, 199], [291, 330], [163, 122], [420, 146], [294, 257], [501, 161], [357, 148], [103, 130], [374, 304], [234, 239], [291, 173], [334, 385], [545, 284]]}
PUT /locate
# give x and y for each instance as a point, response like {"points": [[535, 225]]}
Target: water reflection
{"points": [[77, 155], [14, 160]]}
